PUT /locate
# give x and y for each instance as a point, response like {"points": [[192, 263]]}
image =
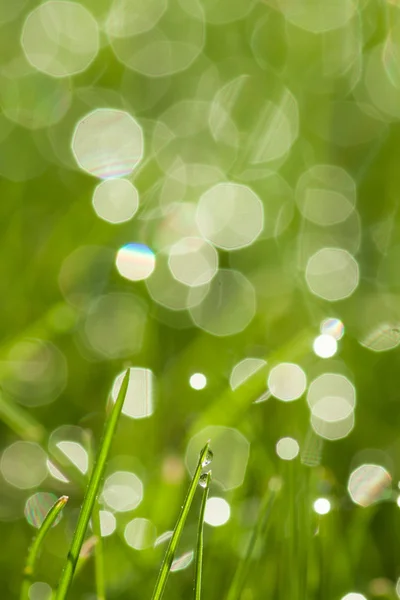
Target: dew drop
{"points": [[203, 480], [208, 458]]}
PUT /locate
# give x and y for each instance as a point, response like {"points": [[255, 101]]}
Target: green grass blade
{"points": [[242, 571], [98, 554], [170, 553], [99, 569], [36, 544], [200, 540], [91, 493]]}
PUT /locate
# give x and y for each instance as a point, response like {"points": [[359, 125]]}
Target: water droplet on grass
{"points": [[208, 458], [203, 480]]}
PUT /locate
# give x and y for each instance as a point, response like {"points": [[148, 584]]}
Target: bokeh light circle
{"points": [[326, 195], [193, 261], [133, 17], [332, 274], [23, 465], [135, 261], [318, 16], [217, 512], [325, 346], [332, 326], [123, 491], [287, 448], [108, 523], [40, 591], [108, 143], [140, 534], [332, 385], [198, 381], [156, 39], [37, 372], [228, 306], [230, 215], [287, 381], [60, 38], [115, 200], [369, 484], [322, 506]]}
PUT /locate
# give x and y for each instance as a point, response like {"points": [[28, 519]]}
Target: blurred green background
{"points": [[265, 136]]}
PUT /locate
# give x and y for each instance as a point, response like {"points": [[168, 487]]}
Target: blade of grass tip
{"points": [[258, 531], [91, 493], [204, 459], [36, 544], [200, 536]]}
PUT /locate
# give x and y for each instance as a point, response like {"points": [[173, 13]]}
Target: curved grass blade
{"points": [[200, 538], [36, 544], [91, 493], [170, 553], [258, 531]]}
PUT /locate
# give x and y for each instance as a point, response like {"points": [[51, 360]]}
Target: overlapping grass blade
{"points": [[98, 554], [91, 493], [98, 548], [36, 544], [200, 539], [20, 421], [258, 532], [172, 546]]}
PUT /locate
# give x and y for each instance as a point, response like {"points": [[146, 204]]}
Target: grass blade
{"points": [[98, 546], [200, 539], [36, 544], [170, 553], [258, 531], [20, 421], [98, 554], [91, 493]]}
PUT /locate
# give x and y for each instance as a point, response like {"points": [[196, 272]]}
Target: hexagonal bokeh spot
{"points": [[231, 454], [60, 38], [108, 143], [369, 484]]}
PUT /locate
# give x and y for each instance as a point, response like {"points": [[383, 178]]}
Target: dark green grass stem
{"points": [[258, 532], [91, 493], [36, 544], [170, 553], [200, 540]]}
